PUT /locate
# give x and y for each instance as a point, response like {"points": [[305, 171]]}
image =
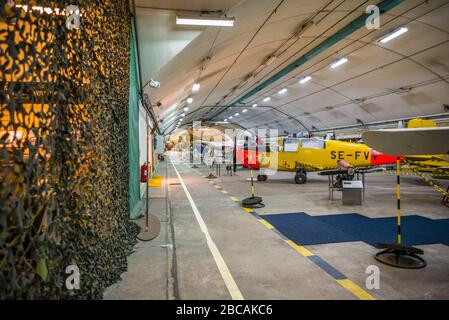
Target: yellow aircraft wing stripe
{"points": [[355, 289]]}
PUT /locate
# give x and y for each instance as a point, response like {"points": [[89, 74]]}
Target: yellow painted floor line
{"points": [[266, 223], [302, 250], [156, 181], [355, 289], [345, 283]]}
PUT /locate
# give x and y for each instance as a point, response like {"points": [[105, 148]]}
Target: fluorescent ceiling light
{"points": [[189, 100], [305, 79], [244, 110], [205, 21], [230, 117], [339, 62], [183, 114], [236, 114], [394, 34], [282, 91], [186, 109], [255, 105], [196, 87], [225, 120], [267, 99]]}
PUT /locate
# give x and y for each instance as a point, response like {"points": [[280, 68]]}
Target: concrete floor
{"points": [[180, 265]]}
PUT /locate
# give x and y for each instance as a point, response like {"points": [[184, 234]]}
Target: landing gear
{"points": [[262, 177], [300, 178], [301, 175]]}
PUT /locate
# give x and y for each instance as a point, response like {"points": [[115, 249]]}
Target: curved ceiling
{"points": [[406, 77]]}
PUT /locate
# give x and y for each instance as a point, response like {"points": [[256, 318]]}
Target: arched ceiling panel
{"points": [[365, 89]]}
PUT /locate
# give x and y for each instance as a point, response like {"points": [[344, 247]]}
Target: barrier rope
{"points": [[436, 175], [429, 182]]}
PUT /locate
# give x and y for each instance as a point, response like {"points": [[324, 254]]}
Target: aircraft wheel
{"points": [[262, 177], [300, 178]]}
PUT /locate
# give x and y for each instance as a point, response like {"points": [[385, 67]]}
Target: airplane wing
{"points": [[332, 172], [411, 141], [369, 170], [354, 170], [312, 166]]}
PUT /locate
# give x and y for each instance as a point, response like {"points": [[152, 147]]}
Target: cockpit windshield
{"points": [[312, 143]]}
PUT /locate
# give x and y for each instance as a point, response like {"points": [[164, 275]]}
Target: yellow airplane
{"points": [[424, 145], [301, 155]]}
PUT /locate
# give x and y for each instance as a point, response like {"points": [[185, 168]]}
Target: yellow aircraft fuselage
{"points": [[317, 154]]}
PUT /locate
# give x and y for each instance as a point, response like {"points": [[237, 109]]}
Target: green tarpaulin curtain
{"points": [[133, 134]]}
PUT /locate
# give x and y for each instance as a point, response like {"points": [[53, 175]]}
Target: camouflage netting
{"points": [[63, 149]]}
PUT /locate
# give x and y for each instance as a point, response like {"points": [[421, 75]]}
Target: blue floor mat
{"points": [[309, 230]]}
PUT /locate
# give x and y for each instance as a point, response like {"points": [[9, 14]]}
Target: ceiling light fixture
{"points": [[236, 114], [186, 109], [189, 100], [338, 63], [394, 34], [282, 91], [305, 79], [230, 117], [267, 99], [205, 21], [255, 105], [244, 110], [196, 87], [183, 114]]}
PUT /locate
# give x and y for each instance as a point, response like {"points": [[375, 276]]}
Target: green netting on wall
{"points": [[133, 134], [64, 168]]}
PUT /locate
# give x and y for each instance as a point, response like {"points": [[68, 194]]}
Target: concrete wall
{"points": [[160, 39]]}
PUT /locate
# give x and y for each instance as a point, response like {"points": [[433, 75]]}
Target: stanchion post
{"points": [[252, 183], [398, 196], [398, 255], [235, 154]]}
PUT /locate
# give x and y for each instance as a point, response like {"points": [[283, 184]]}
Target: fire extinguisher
{"points": [[144, 173]]}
